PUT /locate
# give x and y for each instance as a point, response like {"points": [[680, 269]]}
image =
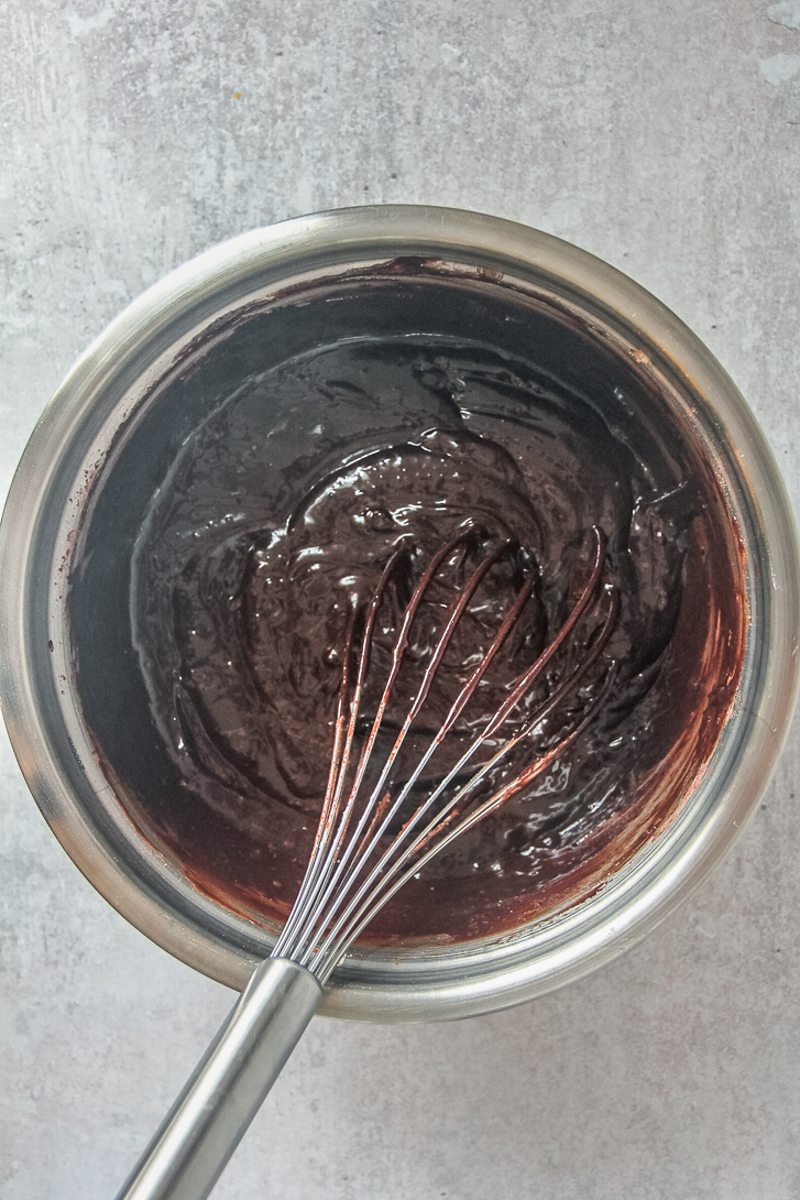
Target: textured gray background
{"points": [[663, 137]]}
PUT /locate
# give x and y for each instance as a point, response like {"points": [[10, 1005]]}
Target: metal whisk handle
{"points": [[229, 1084]]}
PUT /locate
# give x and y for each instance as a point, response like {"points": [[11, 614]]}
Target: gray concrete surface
{"points": [[663, 137]]}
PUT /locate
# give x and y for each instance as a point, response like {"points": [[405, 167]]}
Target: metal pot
{"points": [[73, 449]]}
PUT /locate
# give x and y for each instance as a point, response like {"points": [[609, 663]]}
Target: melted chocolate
{"points": [[285, 501]]}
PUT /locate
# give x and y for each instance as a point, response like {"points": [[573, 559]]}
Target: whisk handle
{"points": [[206, 1122]]}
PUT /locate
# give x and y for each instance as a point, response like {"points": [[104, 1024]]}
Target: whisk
{"points": [[376, 832]]}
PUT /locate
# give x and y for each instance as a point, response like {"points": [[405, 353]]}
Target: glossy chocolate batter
{"points": [[284, 504]]}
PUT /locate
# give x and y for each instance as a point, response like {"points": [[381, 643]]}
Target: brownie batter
{"points": [[279, 513]]}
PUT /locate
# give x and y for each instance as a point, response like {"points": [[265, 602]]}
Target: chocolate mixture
{"points": [[285, 503]]}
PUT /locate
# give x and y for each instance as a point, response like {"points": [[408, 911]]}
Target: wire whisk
{"points": [[386, 814]]}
